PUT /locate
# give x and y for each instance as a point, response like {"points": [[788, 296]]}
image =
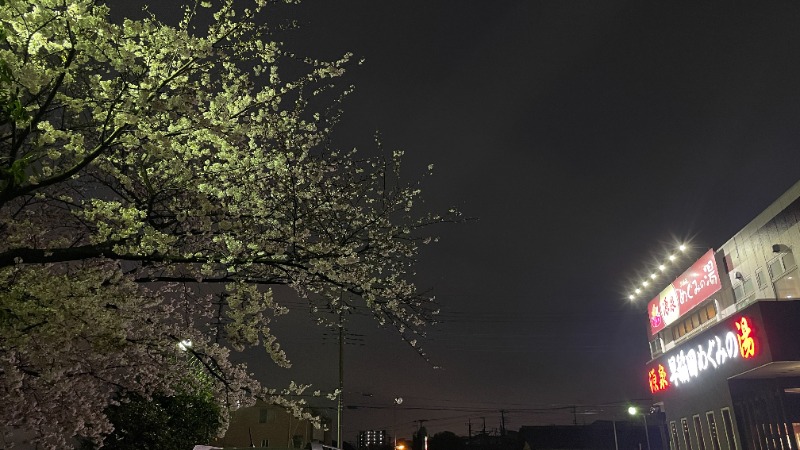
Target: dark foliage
{"points": [[162, 423]]}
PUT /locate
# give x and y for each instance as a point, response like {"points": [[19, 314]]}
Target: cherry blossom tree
{"points": [[155, 178]]}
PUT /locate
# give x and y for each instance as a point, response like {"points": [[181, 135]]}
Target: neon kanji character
{"points": [[747, 345]]}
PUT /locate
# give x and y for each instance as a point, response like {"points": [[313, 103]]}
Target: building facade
{"points": [[372, 439], [268, 426], [725, 340]]}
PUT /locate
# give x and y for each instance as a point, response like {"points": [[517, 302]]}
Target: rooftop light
{"points": [[661, 268]]}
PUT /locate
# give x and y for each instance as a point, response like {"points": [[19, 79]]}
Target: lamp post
{"points": [[341, 383], [635, 411], [397, 402]]}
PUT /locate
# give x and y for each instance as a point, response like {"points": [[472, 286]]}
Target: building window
{"points": [[744, 290], [761, 281], [780, 265], [784, 275], [687, 437], [788, 286], [776, 268], [712, 430], [788, 261], [678, 331], [728, 424], [711, 311], [748, 287], [698, 431], [694, 321], [655, 347], [674, 432]]}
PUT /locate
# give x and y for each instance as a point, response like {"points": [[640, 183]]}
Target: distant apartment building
{"points": [[725, 340], [371, 439], [268, 426]]}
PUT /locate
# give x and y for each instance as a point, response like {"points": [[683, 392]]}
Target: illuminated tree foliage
{"points": [[150, 173]]}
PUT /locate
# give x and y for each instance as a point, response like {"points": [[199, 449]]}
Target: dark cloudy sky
{"points": [[588, 138]]}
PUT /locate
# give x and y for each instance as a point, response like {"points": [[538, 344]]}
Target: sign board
{"points": [[680, 367], [698, 283]]}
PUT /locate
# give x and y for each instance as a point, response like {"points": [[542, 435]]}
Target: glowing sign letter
{"points": [[653, 380], [710, 353], [721, 356], [662, 378], [691, 363], [683, 369], [731, 345], [673, 370], [702, 358], [747, 345], [658, 379]]}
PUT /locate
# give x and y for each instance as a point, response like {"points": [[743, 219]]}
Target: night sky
{"points": [[588, 139]]}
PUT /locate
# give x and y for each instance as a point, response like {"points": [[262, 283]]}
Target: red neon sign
{"points": [[747, 345], [658, 379], [698, 283]]}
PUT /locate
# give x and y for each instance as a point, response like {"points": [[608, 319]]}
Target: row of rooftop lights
{"points": [[661, 268]]}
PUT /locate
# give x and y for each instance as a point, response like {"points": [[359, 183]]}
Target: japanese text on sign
{"points": [[715, 352], [698, 283]]}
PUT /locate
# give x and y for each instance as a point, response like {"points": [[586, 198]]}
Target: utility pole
{"points": [[484, 425], [420, 441], [341, 382], [502, 422], [469, 428]]}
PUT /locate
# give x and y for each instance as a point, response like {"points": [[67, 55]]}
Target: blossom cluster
{"points": [[155, 181]]}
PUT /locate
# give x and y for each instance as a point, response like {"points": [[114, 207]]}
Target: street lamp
{"points": [[185, 345], [632, 410]]}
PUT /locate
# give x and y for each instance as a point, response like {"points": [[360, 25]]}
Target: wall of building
{"points": [[775, 339], [269, 426], [750, 254], [761, 282]]}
